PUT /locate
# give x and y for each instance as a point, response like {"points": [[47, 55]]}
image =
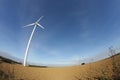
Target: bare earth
{"points": [[82, 72]]}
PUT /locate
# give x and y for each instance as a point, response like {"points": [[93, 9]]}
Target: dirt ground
{"points": [[83, 72]]}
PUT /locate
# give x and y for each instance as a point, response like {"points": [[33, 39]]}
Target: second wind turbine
{"points": [[35, 24]]}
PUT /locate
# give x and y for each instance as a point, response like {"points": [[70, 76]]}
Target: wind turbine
{"points": [[35, 24]]}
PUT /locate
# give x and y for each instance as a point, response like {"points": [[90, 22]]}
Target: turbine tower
{"points": [[35, 24]]}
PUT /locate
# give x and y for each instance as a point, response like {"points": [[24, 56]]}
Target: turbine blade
{"points": [[40, 26], [29, 25], [39, 18]]}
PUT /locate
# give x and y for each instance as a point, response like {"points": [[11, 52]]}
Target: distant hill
{"points": [[8, 56], [7, 60]]}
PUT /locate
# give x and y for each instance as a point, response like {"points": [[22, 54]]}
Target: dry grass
{"points": [[95, 71]]}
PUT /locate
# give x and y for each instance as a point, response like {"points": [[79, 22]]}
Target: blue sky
{"points": [[74, 29]]}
